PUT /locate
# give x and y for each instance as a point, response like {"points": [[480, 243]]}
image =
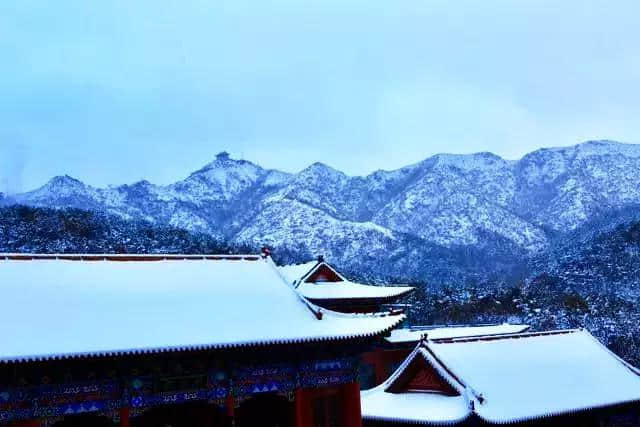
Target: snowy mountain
{"points": [[453, 204]]}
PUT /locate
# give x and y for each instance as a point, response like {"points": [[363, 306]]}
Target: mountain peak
{"points": [[58, 186], [143, 183], [222, 178], [603, 143], [322, 168], [64, 180], [468, 162], [223, 160]]}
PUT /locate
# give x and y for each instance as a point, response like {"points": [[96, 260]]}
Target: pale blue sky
{"points": [[119, 90]]}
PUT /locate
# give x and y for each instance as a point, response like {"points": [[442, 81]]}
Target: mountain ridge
{"points": [[451, 201]]}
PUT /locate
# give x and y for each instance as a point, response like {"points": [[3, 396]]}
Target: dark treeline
{"points": [[44, 230]]}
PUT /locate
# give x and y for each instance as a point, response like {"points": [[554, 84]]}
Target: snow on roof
{"points": [[295, 272], [514, 378], [350, 290], [413, 335], [343, 289], [416, 407], [104, 304], [528, 376]]}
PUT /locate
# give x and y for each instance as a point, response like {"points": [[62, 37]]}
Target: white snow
{"points": [[535, 376], [415, 335], [418, 408], [600, 148], [56, 307], [349, 290], [470, 162]]}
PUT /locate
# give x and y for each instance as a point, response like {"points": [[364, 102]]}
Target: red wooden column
{"points": [[230, 405], [351, 410], [29, 423], [381, 367], [303, 416], [377, 359], [124, 417], [207, 416]]}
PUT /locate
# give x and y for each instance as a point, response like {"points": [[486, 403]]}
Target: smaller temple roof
{"points": [[415, 334], [61, 306], [386, 403], [294, 272], [350, 290], [507, 379], [336, 287]]}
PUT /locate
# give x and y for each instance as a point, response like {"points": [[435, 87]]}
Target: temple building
{"points": [[234, 340], [323, 285], [169, 340], [558, 378]]}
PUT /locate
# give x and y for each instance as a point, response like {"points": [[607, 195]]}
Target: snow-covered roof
{"points": [[379, 403], [96, 305], [413, 335], [511, 378], [343, 289], [350, 290], [415, 408]]}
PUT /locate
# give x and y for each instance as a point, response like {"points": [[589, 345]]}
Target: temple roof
{"points": [[350, 290], [510, 378], [415, 334], [339, 287], [92, 305]]}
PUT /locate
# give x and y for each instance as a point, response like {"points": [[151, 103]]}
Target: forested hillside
{"points": [[43, 230]]}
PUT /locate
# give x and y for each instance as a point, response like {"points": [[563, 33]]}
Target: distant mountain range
{"points": [[446, 218]]}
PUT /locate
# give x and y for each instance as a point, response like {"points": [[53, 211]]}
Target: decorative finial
{"points": [[266, 252], [423, 338]]}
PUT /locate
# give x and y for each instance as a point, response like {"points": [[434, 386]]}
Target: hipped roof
{"points": [[511, 378]]}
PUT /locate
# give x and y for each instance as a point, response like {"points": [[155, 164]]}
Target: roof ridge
{"points": [[316, 266], [317, 311], [126, 257], [456, 325], [498, 337], [620, 359]]}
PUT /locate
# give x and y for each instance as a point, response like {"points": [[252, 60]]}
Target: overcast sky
{"points": [[115, 91]]}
